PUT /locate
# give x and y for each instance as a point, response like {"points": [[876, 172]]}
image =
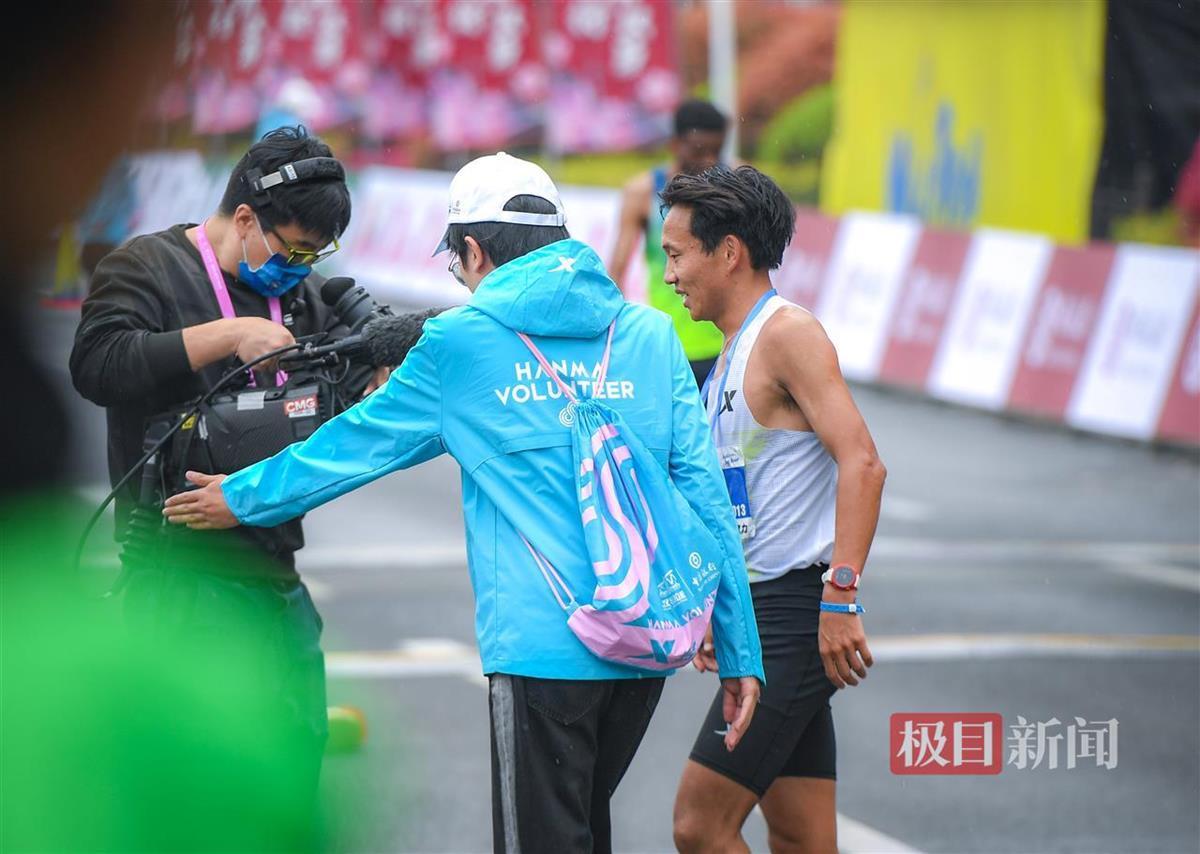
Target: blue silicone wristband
{"points": [[852, 608]]}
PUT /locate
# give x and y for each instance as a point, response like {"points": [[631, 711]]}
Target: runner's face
{"points": [[690, 270], [698, 150]]}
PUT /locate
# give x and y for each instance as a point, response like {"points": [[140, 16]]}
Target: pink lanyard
{"points": [[217, 278]]}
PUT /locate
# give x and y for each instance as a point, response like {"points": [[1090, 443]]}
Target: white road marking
{"points": [[1164, 576], [924, 548], [398, 556], [947, 647], [1141, 561], [445, 657], [440, 555], [437, 556], [854, 837], [320, 591], [328, 560], [905, 509], [414, 657]]}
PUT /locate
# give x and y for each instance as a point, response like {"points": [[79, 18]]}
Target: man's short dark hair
{"points": [[504, 241], [743, 202], [319, 205], [699, 115]]}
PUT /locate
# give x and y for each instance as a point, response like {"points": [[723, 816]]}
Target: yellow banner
{"points": [[969, 112]]}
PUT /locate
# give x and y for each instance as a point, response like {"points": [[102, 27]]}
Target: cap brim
{"points": [[444, 245]]}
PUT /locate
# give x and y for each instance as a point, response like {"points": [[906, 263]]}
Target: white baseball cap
{"points": [[484, 186]]}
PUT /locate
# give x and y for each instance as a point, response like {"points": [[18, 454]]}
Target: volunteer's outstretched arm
{"points": [[398, 426]]}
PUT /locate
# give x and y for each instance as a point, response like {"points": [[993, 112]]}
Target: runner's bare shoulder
{"points": [[794, 333]]}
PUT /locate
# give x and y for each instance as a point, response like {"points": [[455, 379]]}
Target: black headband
{"points": [[310, 169]]}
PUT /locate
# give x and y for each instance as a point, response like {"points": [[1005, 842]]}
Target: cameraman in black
{"points": [[168, 314]]}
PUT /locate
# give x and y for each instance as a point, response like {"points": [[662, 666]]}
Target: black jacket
{"points": [[129, 357]]}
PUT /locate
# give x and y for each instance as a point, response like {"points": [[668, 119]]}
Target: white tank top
{"points": [[791, 480]]}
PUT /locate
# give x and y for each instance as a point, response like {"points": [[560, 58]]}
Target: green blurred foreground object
{"points": [[111, 742], [347, 729]]}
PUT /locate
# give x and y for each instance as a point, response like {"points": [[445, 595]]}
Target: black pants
{"points": [[559, 749], [233, 709]]}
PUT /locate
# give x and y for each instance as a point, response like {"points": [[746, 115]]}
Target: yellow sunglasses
{"points": [[305, 257]]}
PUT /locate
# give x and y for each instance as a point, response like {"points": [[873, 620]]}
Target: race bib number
{"points": [[733, 465]]}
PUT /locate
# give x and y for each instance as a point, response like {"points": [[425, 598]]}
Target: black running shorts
{"points": [[791, 734]]}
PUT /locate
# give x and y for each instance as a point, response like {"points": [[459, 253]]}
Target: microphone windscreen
{"points": [[334, 288], [388, 339]]}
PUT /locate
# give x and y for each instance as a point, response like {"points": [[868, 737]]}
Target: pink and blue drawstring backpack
{"points": [[656, 565]]}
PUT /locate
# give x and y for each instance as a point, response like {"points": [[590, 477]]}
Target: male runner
{"points": [[805, 482]]}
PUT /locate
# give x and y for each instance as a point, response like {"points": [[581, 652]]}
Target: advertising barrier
{"points": [[1103, 338]]}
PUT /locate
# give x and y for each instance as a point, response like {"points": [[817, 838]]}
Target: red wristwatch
{"points": [[844, 577]]}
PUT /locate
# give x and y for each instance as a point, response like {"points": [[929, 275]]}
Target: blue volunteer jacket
{"points": [[472, 389]]}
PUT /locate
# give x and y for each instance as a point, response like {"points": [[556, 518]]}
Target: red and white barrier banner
{"points": [[926, 296], [1062, 324], [1128, 369], [1180, 420], [978, 352], [802, 274], [1101, 337], [861, 287]]}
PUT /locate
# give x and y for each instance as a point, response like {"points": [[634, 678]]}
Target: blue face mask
{"points": [[275, 277]]}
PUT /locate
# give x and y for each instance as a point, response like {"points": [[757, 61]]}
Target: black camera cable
{"points": [[152, 451]]}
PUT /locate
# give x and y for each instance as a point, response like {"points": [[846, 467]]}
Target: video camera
{"points": [[327, 373], [236, 423]]}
